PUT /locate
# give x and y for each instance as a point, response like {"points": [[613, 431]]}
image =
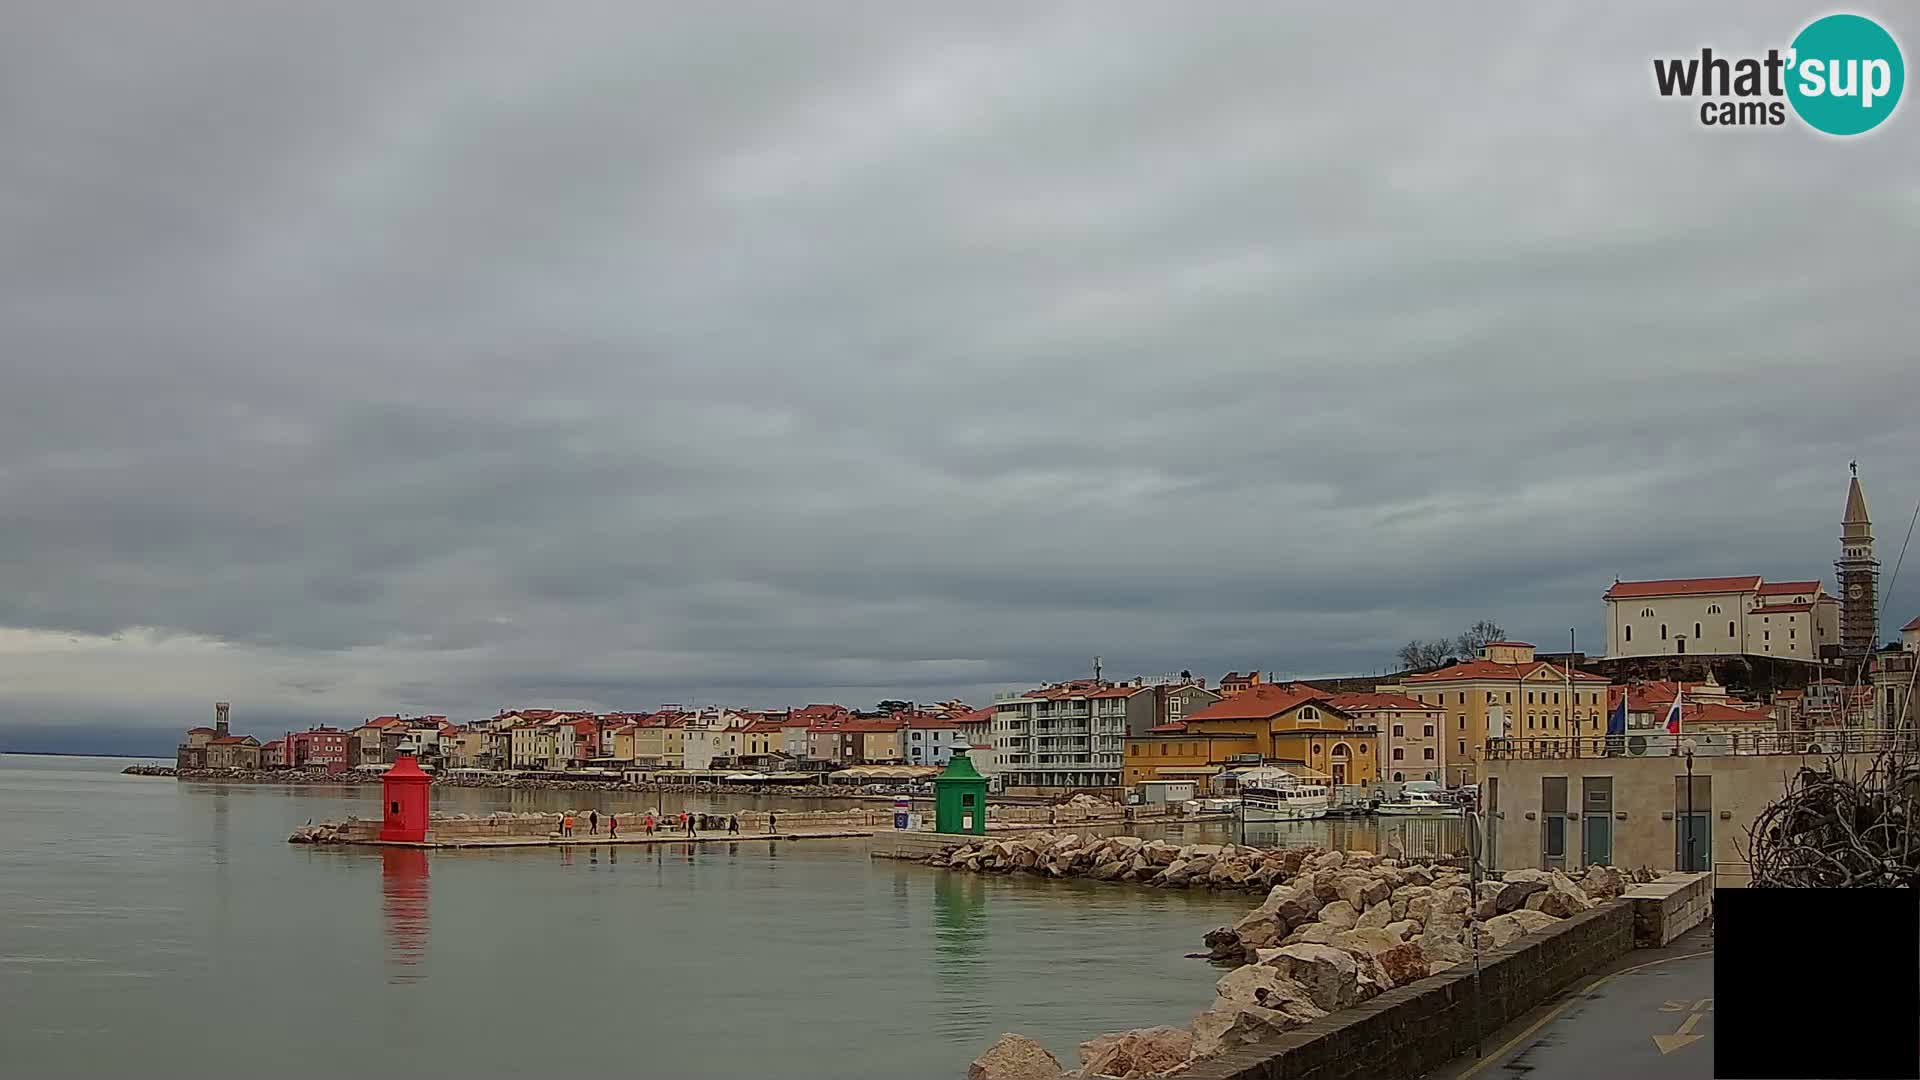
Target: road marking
{"points": [[1674, 1006], [1684, 1037], [1506, 1049], [1703, 1005]]}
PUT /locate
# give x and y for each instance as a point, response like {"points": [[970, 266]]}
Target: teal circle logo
{"points": [[1845, 74]]}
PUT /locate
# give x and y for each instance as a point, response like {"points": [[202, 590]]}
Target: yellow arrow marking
{"points": [[1674, 1006], [1685, 1036], [1705, 1004]]}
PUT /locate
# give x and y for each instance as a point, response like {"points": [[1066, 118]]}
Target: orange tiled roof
{"points": [[1261, 701], [1487, 669], [1376, 701], [1682, 586], [1789, 588]]}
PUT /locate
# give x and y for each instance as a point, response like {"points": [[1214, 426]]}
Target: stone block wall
{"points": [[1669, 907], [1409, 1032]]}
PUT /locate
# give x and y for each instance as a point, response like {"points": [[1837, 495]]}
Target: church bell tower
{"points": [[1858, 573]]}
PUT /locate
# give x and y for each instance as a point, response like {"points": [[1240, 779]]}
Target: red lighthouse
{"points": [[404, 790]]}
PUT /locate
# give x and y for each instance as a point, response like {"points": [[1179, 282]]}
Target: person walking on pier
{"points": [[733, 825], [593, 823], [773, 822], [690, 824], [648, 823], [613, 826], [566, 824]]}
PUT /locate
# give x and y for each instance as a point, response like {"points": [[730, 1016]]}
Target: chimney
{"points": [[220, 719]]}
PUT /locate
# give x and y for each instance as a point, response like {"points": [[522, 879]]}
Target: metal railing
{"points": [[1705, 744]]}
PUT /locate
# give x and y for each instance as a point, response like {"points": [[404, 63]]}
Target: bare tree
{"points": [[1426, 654], [1477, 637]]}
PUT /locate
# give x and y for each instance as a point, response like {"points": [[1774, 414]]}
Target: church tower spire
{"points": [[1857, 572]]}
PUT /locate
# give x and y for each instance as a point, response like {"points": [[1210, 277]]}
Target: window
{"points": [[1363, 748], [1463, 746], [1629, 633], [1792, 635], [1646, 613], [1509, 697], [1397, 777], [1163, 749], [1135, 749], [1713, 609], [1489, 697], [1663, 631], [1428, 753], [1399, 754], [1399, 731], [1429, 732], [1529, 697], [1463, 723], [1530, 719], [1766, 635], [1696, 630], [1729, 627], [1556, 697], [1308, 713]]}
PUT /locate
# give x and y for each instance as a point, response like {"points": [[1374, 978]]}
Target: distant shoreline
{"points": [[64, 753]]}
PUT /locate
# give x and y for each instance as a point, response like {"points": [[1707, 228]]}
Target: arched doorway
{"points": [[1340, 763]]}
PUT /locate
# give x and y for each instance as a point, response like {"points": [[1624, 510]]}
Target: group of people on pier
{"points": [[688, 821]]}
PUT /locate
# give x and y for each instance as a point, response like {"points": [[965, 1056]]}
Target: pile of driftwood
{"points": [[1840, 828]]}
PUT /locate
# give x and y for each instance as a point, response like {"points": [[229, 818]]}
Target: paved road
{"points": [[1650, 1020]]}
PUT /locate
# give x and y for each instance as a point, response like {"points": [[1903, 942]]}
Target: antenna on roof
{"points": [[1096, 669]]}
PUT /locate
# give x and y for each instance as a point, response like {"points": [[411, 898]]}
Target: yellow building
{"points": [[1506, 693], [659, 747], [1277, 724]]}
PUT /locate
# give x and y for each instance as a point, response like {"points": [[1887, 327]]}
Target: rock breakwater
{"points": [[1334, 929]]}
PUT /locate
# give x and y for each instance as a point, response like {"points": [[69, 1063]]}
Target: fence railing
{"points": [[1705, 744]]}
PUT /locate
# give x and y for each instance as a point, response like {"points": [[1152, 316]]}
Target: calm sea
{"points": [[153, 926]]}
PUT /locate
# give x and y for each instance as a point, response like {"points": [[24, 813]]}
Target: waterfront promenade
{"points": [[1650, 1016]]}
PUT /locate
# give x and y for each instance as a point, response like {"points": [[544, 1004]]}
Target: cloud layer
{"points": [[637, 354]]}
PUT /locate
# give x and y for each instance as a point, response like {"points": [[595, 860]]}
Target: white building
{"points": [[1725, 616], [931, 740]]}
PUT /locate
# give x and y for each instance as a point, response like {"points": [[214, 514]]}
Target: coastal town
{"points": [[1715, 669]]}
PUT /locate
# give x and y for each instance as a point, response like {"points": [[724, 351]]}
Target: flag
{"points": [[1673, 712], [1617, 719]]}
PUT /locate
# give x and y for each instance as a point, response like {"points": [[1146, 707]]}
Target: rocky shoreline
{"points": [[1334, 929]]}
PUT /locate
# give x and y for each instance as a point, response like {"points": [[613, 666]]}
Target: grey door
{"points": [[1596, 820]]}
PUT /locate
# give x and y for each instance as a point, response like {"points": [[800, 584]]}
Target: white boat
{"points": [[1417, 804], [1285, 802]]}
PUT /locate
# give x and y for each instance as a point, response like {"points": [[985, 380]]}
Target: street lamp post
{"points": [[1689, 745]]}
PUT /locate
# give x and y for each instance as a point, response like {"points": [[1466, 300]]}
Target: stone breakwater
{"points": [[1334, 929], [507, 825]]}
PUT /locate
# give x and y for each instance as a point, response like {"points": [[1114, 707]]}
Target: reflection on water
{"points": [[403, 892], [959, 952]]}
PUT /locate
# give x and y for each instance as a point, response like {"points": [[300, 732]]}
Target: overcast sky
{"points": [[440, 357]]}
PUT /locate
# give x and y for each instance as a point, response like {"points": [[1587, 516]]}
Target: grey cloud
{"points": [[460, 358]]}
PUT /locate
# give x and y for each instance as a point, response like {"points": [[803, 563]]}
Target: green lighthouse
{"points": [[960, 798]]}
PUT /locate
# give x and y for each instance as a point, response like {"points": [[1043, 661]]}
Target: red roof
{"points": [[1914, 625], [1261, 701], [215, 731], [1683, 586], [1789, 588], [987, 714], [1169, 727], [930, 723], [1376, 701], [232, 740], [1715, 711], [274, 745], [871, 726], [1119, 691], [1487, 669], [764, 727]]}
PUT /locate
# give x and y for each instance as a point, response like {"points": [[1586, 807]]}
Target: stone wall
{"points": [[1411, 1031], [1671, 906]]}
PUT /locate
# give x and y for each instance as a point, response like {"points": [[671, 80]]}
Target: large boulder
{"points": [[1015, 1057], [1443, 949], [1361, 860], [1142, 1052], [1375, 917], [1403, 929], [1561, 898], [1329, 975], [1404, 963], [1174, 876], [1339, 915], [1258, 986], [1453, 899], [1261, 928], [1402, 900], [1327, 860], [1224, 946], [1503, 929], [1418, 875], [1293, 905], [1367, 939], [1313, 933], [1603, 883]]}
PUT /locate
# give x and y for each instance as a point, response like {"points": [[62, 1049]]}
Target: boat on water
{"points": [[1417, 804], [1285, 798]]}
